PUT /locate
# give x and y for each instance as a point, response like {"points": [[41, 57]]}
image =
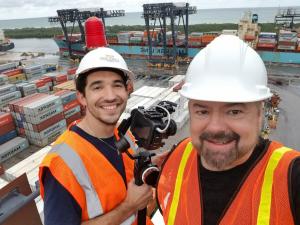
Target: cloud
{"points": [[10, 9]]}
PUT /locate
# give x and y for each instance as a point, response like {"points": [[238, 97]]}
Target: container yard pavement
{"points": [[288, 126]]}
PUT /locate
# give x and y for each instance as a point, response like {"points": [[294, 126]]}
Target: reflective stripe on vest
{"points": [[74, 162], [178, 183], [264, 210]]}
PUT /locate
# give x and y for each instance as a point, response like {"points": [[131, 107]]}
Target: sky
{"points": [[18, 9]]}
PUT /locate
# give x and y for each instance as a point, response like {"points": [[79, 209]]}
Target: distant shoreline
{"points": [[51, 32]]}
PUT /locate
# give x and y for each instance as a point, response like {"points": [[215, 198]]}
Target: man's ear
{"points": [[81, 98], [129, 87]]}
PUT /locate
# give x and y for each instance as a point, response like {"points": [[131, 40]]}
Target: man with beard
{"points": [[84, 180], [225, 173]]}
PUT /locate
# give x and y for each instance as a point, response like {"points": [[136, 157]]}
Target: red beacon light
{"points": [[94, 33]]}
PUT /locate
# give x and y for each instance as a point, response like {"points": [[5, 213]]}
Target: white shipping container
{"points": [[182, 119], [139, 104], [267, 35], [32, 68], [3, 183], [285, 47], [8, 66], [294, 39], [8, 88], [230, 32], [54, 110], [42, 105], [3, 78], [267, 40], [176, 79], [6, 98], [151, 103], [136, 39], [61, 125], [132, 101], [47, 140], [12, 147], [148, 91], [29, 166], [43, 89], [138, 33]]}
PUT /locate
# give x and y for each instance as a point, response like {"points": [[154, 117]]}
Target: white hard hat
{"points": [[227, 70], [103, 57]]}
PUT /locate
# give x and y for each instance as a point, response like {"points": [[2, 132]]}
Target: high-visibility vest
{"points": [[263, 198], [87, 174]]}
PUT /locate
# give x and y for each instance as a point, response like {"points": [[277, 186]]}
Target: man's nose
{"points": [[216, 123], [109, 93]]}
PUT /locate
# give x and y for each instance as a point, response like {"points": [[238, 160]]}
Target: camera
{"points": [[149, 127]]}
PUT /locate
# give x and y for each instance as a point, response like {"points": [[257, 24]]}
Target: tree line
{"points": [[51, 32]]}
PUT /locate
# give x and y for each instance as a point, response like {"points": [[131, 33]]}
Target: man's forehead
{"points": [[105, 75], [199, 103]]}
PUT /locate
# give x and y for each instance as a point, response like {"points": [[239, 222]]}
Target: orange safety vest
{"points": [[87, 175], [263, 198]]}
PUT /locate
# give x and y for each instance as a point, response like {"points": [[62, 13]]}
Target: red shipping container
{"points": [[61, 92], [61, 78], [46, 79], [7, 128], [13, 72], [287, 43], [49, 122], [39, 83], [266, 45], [19, 107], [5, 118], [72, 71], [71, 104], [74, 117], [13, 105]]}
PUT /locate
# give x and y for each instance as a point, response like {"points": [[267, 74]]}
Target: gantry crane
{"points": [[287, 18], [77, 16], [161, 12]]}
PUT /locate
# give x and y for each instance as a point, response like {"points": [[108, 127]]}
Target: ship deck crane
{"points": [[161, 12], [287, 18], [77, 16]]}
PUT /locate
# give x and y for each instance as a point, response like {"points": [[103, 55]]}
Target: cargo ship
{"points": [[5, 43], [281, 47]]}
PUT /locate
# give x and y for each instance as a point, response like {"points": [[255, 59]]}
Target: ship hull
{"points": [[6, 46], [142, 52]]}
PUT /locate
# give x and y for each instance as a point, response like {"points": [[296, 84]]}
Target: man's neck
{"points": [[96, 128]]}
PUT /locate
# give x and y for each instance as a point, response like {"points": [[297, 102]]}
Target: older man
{"points": [[225, 173]]}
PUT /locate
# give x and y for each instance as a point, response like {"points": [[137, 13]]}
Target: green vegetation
{"points": [[50, 32]]}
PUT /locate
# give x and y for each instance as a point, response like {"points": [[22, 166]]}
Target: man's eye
{"points": [[201, 112], [235, 112]]}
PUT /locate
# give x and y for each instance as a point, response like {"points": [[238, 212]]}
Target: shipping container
{"points": [[13, 147]]}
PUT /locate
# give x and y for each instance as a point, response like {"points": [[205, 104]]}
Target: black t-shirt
{"points": [[60, 208], [219, 188]]}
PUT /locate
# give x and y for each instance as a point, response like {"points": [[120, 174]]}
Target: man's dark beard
{"points": [[211, 157]]}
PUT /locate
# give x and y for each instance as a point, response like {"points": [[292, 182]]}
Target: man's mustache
{"points": [[220, 136]]}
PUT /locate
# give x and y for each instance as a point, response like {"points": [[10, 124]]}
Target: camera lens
{"points": [[150, 175]]}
